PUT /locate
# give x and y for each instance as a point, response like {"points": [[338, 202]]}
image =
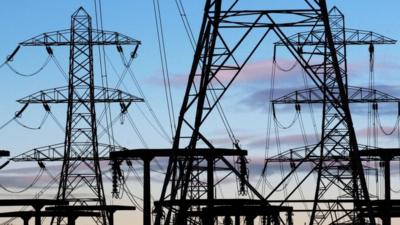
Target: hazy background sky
{"points": [[245, 104]]}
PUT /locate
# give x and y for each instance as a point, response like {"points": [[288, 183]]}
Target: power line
{"points": [[30, 74], [164, 65]]}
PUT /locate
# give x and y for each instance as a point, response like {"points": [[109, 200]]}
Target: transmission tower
{"points": [[333, 165], [217, 62], [81, 167], [338, 174]]}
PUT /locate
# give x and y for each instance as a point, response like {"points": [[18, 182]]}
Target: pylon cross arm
{"points": [[60, 95], [62, 38]]}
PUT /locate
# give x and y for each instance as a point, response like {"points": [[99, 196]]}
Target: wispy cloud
{"points": [[260, 98], [253, 72]]}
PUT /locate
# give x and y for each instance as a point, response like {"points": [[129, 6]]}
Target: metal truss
{"points": [[302, 154], [63, 38], [355, 95], [55, 152], [80, 152], [217, 63], [353, 36], [333, 158], [60, 95], [308, 154]]}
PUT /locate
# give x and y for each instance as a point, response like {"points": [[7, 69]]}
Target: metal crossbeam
{"points": [[219, 59], [353, 37], [55, 153], [310, 155], [60, 95], [335, 158], [356, 95], [63, 38]]}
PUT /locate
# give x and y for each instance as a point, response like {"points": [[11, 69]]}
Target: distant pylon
{"points": [[81, 159], [81, 118]]}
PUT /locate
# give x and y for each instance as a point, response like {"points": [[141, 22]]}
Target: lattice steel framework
{"points": [[81, 123], [332, 172], [81, 168], [217, 62]]}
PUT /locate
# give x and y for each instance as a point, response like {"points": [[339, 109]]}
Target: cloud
{"points": [[259, 99], [253, 72], [261, 70], [296, 140]]}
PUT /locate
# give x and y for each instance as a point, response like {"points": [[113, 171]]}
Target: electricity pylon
{"points": [[331, 158], [81, 167], [219, 58]]}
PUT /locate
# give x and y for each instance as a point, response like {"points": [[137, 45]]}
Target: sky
{"points": [[245, 104]]}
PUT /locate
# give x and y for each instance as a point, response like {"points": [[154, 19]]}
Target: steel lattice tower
{"points": [[82, 153], [336, 139], [335, 134], [216, 65], [333, 174], [81, 117]]}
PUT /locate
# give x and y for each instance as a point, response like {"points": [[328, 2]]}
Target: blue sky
{"points": [[22, 19]]}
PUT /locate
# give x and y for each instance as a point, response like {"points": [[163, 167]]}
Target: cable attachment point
{"points": [[124, 111], [41, 164], [371, 49], [117, 178], [398, 109], [375, 106], [46, 107], [243, 170], [11, 57], [124, 107], [134, 52], [120, 49], [300, 50], [297, 107], [129, 163], [49, 50], [19, 113]]}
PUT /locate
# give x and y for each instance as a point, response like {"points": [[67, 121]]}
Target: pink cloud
{"points": [[261, 70], [253, 72]]}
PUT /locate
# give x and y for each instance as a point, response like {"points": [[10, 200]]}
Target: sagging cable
{"points": [[46, 115], [10, 58], [18, 114], [35, 180], [290, 68], [46, 62], [279, 124], [381, 127]]}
